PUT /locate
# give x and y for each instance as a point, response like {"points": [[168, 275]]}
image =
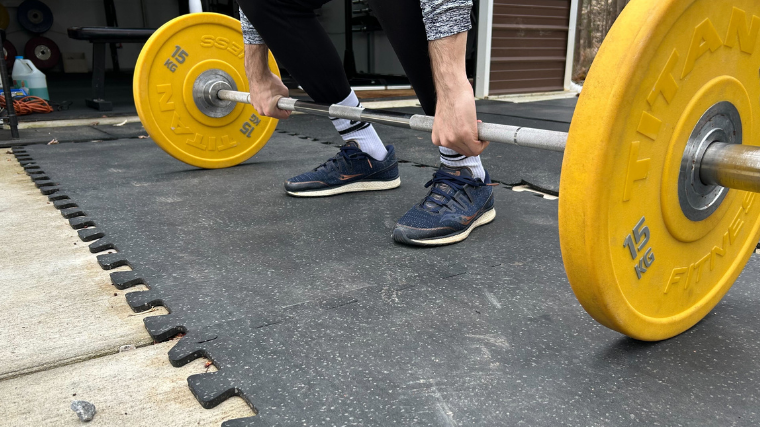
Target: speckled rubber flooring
{"points": [[315, 317]]}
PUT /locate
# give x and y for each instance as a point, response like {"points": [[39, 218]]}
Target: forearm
{"points": [[455, 125], [266, 86], [256, 62], [447, 58]]}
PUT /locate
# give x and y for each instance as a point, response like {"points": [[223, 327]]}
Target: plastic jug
{"points": [[26, 75]]}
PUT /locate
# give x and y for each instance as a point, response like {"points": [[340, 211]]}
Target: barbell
{"points": [[658, 211]]}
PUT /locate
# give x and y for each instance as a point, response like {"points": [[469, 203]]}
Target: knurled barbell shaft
{"points": [[526, 137], [728, 165]]}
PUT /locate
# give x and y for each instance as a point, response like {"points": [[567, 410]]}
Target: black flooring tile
{"points": [[93, 132], [45, 135], [560, 110], [184, 228], [315, 317]]}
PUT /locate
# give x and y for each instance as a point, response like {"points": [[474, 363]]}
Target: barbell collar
{"points": [[731, 165]]}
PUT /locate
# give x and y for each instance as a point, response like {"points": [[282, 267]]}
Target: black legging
{"points": [[300, 44]]}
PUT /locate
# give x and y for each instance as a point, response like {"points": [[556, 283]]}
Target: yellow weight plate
{"points": [[635, 261], [168, 66], [5, 19]]}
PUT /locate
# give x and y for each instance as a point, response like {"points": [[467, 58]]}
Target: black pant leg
{"points": [[300, 44], [402, 22]]}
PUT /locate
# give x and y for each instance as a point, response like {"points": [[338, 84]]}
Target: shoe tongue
{"points": [[456, 171], [352, 143]]}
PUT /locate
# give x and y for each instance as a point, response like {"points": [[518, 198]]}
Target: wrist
{"points": [[447, 60], [453, 88]]}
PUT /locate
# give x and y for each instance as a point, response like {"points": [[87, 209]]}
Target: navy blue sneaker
{"points": [[350, 170], [456, 204]]}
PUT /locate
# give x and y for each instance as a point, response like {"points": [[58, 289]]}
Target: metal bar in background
{"points": [[98, 70], [572, 32], [12, 118], [483, 61], [111, 21], [349, 63], [144, 14]]}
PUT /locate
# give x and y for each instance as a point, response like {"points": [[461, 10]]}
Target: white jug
{"points": [[26, 75]]}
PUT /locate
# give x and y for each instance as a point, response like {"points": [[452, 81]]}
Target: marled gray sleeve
{"points": [[445, 18], [442, 18], [250, 35]]}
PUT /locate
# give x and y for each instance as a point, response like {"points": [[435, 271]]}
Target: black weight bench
{"points": [[100, 37]]}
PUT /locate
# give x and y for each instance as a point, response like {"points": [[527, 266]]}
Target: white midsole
{"points": [[350, 188], [484, 219]]}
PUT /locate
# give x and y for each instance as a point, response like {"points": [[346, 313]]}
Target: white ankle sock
{"points": [[363, 133], [451, 158]]}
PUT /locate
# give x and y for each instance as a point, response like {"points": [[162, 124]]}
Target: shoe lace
{"points": [[346, 153], [456, 183]]}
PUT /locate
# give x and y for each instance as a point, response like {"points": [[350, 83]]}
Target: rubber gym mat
{"points": [[504, 345], [93, 132], [552, 110], [45, 135], [236, 228], [315, 317]]}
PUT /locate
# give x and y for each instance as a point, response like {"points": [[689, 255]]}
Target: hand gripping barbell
{"points": [[658, 211]]}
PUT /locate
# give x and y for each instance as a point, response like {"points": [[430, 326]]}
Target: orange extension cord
{"points": [[28, 105]]}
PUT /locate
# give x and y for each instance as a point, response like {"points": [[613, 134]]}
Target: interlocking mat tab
{"points": [[315, 317]]}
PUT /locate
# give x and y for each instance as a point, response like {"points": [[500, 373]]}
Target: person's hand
{"points": [[265, 91], [456, 122]]}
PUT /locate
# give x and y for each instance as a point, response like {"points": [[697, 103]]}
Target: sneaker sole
{"points": [[349, 188], [440, 241]]}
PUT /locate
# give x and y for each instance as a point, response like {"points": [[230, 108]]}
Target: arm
{"points": [[266, 87], [455, 125]]}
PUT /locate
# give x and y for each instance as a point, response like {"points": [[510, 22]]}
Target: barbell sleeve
{"points": [[734, 166], [234, 96]]}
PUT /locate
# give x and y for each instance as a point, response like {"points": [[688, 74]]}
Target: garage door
{"points": [[528, 46]]}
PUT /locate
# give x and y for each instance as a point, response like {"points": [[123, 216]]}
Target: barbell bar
{"points": [[658, 207], [726, 165], [523, 136]]}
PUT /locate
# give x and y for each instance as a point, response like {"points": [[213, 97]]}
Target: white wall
{"points": [[81, 13]]}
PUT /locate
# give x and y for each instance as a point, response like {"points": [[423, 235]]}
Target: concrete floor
{"points": [[63, 325]]}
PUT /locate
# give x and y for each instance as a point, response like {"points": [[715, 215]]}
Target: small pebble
{"points": [[84, 410], [129, 347]]}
